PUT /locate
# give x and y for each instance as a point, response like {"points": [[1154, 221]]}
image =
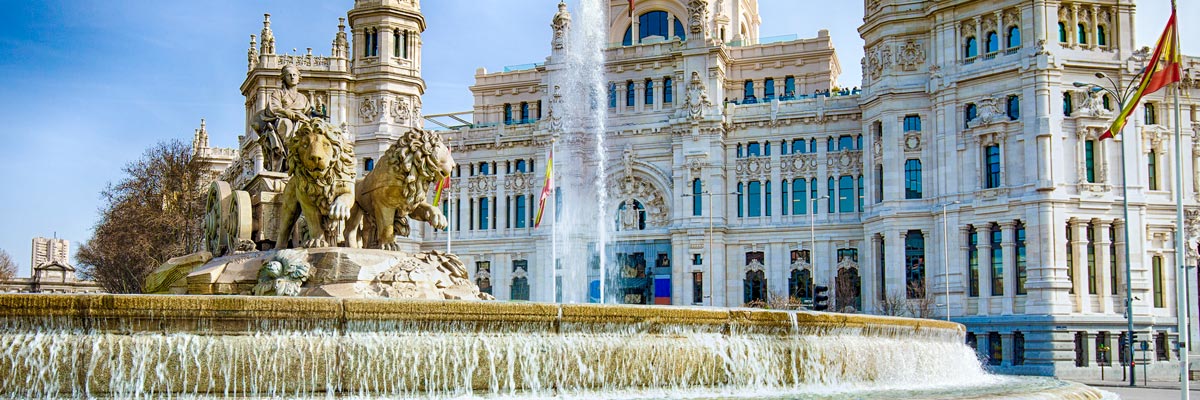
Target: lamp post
{"points": [[812, 253], [946, 254], [708, 262], [1122, 94]]}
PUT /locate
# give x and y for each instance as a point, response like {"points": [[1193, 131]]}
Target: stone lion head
{"points": [[320, 158]]}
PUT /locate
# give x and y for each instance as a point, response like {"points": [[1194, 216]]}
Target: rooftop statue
{"points": [[274, 124]]}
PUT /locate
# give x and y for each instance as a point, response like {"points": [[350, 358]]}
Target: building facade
{"points": [[964, 180], [51, 271]]}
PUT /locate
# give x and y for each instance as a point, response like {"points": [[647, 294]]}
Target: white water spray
{"points": [[584, 226]]}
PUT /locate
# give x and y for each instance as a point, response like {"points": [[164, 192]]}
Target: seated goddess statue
{"points": [[274, 124]]}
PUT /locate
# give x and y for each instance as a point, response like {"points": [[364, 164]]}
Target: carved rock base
{"points": [[347, 273]]}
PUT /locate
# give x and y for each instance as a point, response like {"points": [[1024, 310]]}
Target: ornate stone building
{"points": [[964, 180]]}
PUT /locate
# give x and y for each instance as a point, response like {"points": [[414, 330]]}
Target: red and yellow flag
{"points": [[437, 192], [1162, 69], [546, 189], [630, 9]]}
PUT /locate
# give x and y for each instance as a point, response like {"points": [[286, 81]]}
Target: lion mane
{"points": [[397, 189], [321, 186], [412, 163]]}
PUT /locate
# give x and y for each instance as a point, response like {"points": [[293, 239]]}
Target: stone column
{"points": [[895, 278], [1095, 34], [1006, 344], [1008, 245], [1104, 266], [964, 235], [621, 89], [1079, 269], [985, 268]]}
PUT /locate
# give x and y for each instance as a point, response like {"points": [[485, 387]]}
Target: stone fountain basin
{"points": [[159, 345]]}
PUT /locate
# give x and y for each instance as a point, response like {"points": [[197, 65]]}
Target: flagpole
{"points": [[1181, 274]]}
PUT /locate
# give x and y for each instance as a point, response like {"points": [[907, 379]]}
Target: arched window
{"points": [[371, 48], [798, 146], [668, 90], [912, 179], [612, 95], [1062, 32], [630, 94], [789, 87], [993, 42], [1101, 36], [400, 43], [969, 114], [914, 264], [755, 286], [748, 91], [697, 199], [524, 112], [649, 95], [369, 164], [1067, 105], [971, 48], [679, 31], [1082, 30], [1107, 104], [1151, 117], [508, 114], [1013, 106], [768, 89], [1014, 37]]}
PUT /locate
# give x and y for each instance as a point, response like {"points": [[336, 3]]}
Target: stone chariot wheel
{"points": [[237, 223], [214, 209]]}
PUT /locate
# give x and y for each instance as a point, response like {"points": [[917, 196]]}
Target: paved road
{"points": [[1153, 391]]}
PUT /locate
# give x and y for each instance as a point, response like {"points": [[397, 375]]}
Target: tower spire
{"points": [[340, 44], [268, 37]]}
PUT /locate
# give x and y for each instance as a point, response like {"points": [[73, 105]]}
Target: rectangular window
{"points": [[520, 211], [1081, 353], [740, 204], [1152, 169], [831, 197], [748, 92], [649, 95], [508, 119], [1112, 259], [1018, 348], [1102, 349], [668, 91], [697, 287], [912, 123], [914, 264], [912, 179], [878, 183], [1159, 293], [997, 262], [799, 195], [789, 87], [697, 259], [754, 198], [846, 195], [483, 213], [845, 142], [524, 112], [1091, 259], [784, 203], [861, 198], [973, 263], [697, 197], [798, 146], [630, 94], [769, 89], [992, 178], [1070, 259], [812, 194], [767, 199], [612, 95], [1160, 347], [753, 149], [1020, 261], [995, 349], [520, 286], [1089, 156]]}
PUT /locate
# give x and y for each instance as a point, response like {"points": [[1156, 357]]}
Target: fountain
{"points": [[363, 323], [141, 346]]}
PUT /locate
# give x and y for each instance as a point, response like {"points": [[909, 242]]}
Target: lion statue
{"points": [[321, 165], [396, 190]]}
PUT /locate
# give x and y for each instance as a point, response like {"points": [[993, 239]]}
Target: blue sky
{"points": [[88, 85]]}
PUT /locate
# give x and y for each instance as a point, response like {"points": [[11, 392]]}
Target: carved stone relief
{"points": [[369, 109], [912, 55]]}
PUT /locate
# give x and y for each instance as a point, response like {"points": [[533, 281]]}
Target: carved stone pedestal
{"points": [[337, 272]]}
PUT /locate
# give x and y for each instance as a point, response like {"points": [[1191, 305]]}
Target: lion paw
{"points": [[439, 221], [315, 242], [389, 246]]}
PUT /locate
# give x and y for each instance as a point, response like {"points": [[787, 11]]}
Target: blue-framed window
{"points": [[741, 205], [1014, 37], [508, 119], [1089, 160], [649, 95], [520, 212], [992, 171], [483, 213], [612, 95], [799, 196], [789, 87], [969, 114], [1081, 29], [912, 123], [971, 48], [912, 179], [798, 146], [1062, 32], [769, 89], [1068, 106], [1013, 106], [754, 197], [914, 264], [630, 94], [697, 197], [846, 194], [993, 42], [524, 112], [668, 90], [748, 91]]}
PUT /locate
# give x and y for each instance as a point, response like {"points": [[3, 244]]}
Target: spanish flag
{"points": [[546, 189], [1162, 69], [437, 192]]}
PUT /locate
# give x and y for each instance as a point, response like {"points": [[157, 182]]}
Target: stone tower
{"points": [[387, 73]]}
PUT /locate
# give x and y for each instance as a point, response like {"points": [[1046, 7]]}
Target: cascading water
{"points": [[231, 346]]}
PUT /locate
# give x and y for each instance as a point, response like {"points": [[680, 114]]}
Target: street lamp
{"points": [[946, 254], [812, 253], [1122, 95], [709, 262]]}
